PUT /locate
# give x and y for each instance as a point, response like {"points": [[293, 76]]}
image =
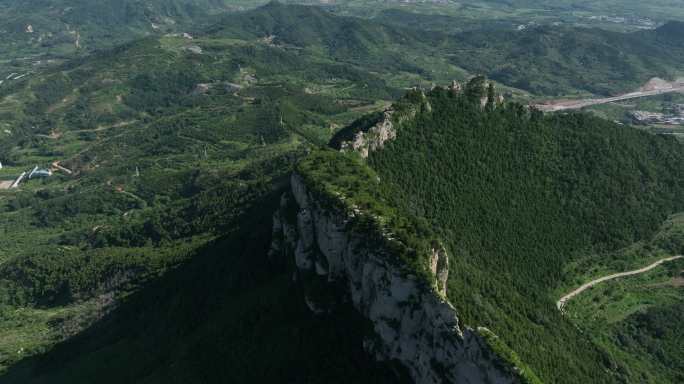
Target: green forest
{"points": [[517, 195], [144, 257]]}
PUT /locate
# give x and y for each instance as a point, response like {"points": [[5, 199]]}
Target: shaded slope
{"points": [[228, 315], [180, 128], [168, 148]]}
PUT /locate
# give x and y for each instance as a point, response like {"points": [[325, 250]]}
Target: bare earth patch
{"points": [[654, 87]]}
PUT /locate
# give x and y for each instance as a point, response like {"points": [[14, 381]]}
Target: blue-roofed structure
{"points": [[39, 173]]}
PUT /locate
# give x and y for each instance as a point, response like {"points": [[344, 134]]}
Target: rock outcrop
{"points": [[439, 267], [367, 140], [413, 323], [374, 138]]}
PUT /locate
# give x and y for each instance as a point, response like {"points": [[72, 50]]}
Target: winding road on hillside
{"points": [[653, 88], [561, 303]]}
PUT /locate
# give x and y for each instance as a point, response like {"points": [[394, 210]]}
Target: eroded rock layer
{"points": [[413, 323]]}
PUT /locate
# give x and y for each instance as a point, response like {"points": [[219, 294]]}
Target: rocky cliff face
{"points": [[374, 138], [413, 322], [368, 140]]}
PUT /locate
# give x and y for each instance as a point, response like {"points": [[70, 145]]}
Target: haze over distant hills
{"points": [[275, 192], [60, 26], [533, 59]]}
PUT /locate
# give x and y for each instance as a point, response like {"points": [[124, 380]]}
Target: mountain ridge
{"points": [[149, 246]]}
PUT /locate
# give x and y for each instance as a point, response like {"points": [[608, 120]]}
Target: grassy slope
{"points": [[634, 317]]}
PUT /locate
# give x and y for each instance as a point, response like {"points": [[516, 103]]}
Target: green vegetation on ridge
{"points": [[172, 141], [515, 195], [347, 185], [176, 142]]}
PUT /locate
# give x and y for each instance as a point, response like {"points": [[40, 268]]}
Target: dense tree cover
{"points": [[201, 159], [556, 60], [515, 195], [163, 165], [656, 333], [636, 318], [169, 150], [59, 24], [158, 90], [57, 277], [524, 373], [101, 231], [545, 60], [227, 313], [343, 183], [342, 38]]}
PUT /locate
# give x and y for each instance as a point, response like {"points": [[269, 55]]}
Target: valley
{"points": [[654, 87]]}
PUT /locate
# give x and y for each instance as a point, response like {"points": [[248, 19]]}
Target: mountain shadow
{"points": [[227, 315]]}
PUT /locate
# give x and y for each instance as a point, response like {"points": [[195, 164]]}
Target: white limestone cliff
{"points": [[374, 138], [366, 141], [413, 322]]}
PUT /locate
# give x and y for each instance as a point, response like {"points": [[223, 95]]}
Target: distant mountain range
{"points": [[543, 60], [50, 24]]}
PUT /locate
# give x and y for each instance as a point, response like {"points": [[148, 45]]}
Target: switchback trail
{"points": [[561, 303]]}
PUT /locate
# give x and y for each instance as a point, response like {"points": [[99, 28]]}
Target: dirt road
{"points": [[55, 164], [561, 303]]}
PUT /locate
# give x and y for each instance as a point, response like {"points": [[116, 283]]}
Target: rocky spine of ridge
{"points": [[413, 322], [365, 141]]}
